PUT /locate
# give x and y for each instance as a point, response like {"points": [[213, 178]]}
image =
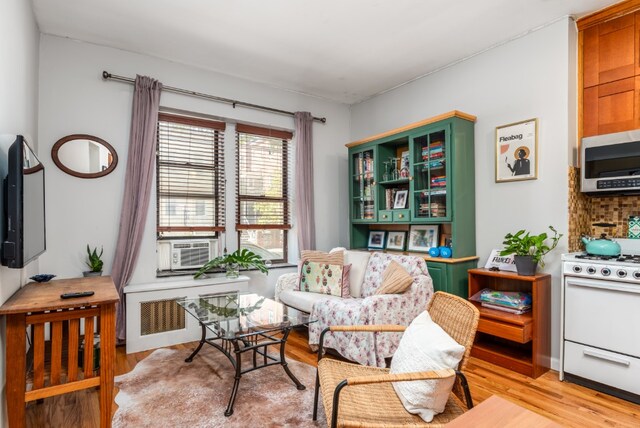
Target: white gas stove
{"points": [[600, 318], [625, 267]]}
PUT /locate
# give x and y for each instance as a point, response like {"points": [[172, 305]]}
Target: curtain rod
{"points": [[106, 76]]}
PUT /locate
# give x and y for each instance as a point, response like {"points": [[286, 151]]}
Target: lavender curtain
{"points": [[137, 187], [304, 181]]}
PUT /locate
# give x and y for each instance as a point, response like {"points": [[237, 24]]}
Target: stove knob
{"points": [[621, 273], [605, 271], [578, 269], [591, 270], [636, 274]]}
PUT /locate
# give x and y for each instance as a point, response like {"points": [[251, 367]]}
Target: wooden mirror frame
{"points": [[63, 167]]}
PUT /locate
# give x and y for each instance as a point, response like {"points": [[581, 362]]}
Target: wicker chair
{"points": [[361, 396]]}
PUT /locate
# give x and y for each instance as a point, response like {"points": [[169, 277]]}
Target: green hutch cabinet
{"points": [[423, 173]]}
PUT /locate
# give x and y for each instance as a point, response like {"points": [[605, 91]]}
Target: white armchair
{"points": [[363, 308]]}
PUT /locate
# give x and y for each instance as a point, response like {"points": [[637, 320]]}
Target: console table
{"points": [[37, 305]]}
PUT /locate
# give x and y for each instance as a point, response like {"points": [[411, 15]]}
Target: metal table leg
{"points": [[202, 341], [283, 361], [236, 382]]}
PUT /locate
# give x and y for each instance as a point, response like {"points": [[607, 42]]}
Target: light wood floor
{"points": [[566, 403]]}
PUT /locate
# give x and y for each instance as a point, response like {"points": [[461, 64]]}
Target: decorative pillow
{"points": [[358, 261], [425, 346], [336, 258], [346, 279], [321, 278], [395, 280]]}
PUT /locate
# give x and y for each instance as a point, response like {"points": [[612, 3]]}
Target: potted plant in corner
{"points": [[232, 262], [94, 261], [529, 250]]}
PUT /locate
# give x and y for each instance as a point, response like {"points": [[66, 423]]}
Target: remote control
{"points": [[77, 294]]}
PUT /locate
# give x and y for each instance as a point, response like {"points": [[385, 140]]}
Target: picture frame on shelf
{"points": [[396, 241], [400, 201], [422, 238], [517, 151], [376, 239]]}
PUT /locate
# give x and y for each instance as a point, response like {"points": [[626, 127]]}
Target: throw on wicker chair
{"points": [[355, 395]]}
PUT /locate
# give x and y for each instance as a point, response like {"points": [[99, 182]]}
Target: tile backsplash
{"points": [[585, 210]]}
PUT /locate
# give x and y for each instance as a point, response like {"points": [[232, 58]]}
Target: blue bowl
{"points": [[434, 252], [43, 277], [445, 252]]}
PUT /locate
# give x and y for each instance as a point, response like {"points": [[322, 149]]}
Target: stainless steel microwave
{"points": [[611, 163]]}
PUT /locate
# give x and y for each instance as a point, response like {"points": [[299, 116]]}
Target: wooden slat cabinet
{"points": [[521, 343]]}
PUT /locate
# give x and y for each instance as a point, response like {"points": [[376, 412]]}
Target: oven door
{"points": [[603, 314]]}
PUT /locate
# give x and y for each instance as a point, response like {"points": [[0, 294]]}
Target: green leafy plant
{"points": [[522, 243], [243, 258], [94, 260]]}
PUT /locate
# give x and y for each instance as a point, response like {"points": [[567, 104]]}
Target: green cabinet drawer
{"points": [[401, 216], [385, 216]]}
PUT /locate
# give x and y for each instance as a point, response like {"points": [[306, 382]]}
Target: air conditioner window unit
{"points": [[186, 253]]}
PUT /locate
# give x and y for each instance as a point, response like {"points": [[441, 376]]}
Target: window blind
{"points": [[263, 159], [190, 176]]}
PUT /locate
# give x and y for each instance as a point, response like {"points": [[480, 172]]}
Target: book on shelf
{"points": [[506, 309]]}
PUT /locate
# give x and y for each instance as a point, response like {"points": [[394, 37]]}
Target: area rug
{"points": [[163, 390]]}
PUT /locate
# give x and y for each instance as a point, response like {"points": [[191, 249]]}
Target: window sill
{"points": [[166, 273]]}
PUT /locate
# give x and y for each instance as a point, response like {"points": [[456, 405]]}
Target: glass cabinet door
{"points": [[430, 176], [363, 186]]}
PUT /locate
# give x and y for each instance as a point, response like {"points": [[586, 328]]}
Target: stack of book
{"points": [[438, 209], [438, 181], [364, 165], [433, 151], [514, 302]]}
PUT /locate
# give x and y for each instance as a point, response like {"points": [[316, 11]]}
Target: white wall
{"points": [[534, 76], [18, 115], [75, 99]]}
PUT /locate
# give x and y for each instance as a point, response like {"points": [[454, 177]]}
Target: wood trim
{"points": [[191, 229], [453, 113], [580, 97], [263, 226], [62, 315], [61, 389], [265, 132], [608, 14], [194, 121], [56, 159]]}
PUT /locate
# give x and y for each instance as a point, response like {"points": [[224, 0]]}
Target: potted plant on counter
{"points": [[94, 261], [529, 250], [232, 262]]}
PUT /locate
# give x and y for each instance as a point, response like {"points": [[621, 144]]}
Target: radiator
{"points": [[160, 316], [154, 320]]}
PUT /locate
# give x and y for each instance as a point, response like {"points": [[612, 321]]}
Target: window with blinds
{"points": [[262, 190], [190, 177]]}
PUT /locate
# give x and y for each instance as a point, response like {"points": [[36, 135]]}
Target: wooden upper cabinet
{"points": [[611, 107], [611, 50]]}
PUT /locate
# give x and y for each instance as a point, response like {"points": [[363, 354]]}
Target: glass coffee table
{"points": [[240, 323]]}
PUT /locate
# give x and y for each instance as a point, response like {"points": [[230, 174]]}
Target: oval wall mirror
{"points": [[84, 156]]}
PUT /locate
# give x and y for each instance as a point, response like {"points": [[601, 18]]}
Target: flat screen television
{"points": [[23, 212]]}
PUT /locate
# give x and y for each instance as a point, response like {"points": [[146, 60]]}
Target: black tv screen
{"points": [[23, 231]]}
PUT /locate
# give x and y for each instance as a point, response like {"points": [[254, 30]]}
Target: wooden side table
{"points": [[498, 412], [39, 304], [521, 343]]}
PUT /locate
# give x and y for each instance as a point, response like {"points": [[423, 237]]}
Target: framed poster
{"points": [[395, 240], [376, 239], [517, 151], [422, 238]]}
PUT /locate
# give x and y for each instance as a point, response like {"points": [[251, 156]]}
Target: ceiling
{"points": [[342, 50]]}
